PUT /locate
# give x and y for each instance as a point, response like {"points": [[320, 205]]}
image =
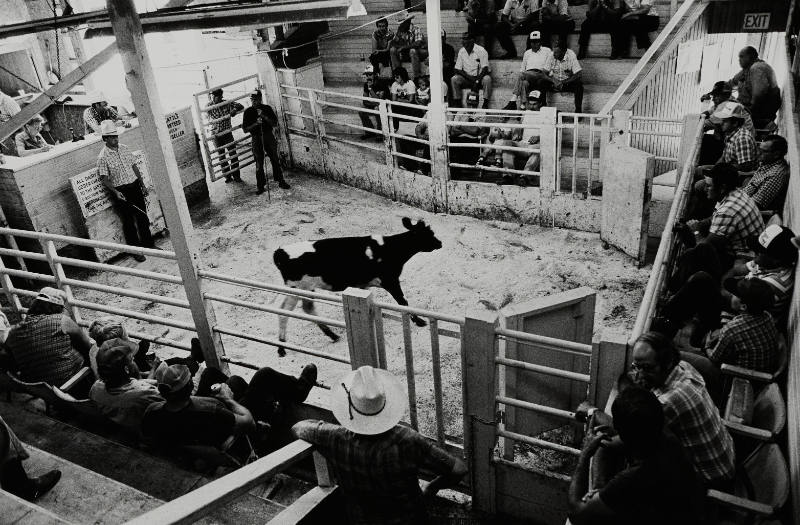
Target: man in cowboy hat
{"points": [[98, 111], [48, 345], [260, 120], [119, 173], [375, 459], [409, 41], [221, 132]]}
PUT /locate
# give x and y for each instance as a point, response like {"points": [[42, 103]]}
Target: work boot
{"points": [[308, 378], [17, 482], [197, 350], [283, 185], [138, 257]]}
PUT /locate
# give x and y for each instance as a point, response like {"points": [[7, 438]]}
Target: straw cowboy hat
{"points": [[95, 97], [368, 401], [107, 127]]}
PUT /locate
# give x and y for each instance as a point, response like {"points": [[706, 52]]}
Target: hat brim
{"points": [[114, 133], [386, 419]]}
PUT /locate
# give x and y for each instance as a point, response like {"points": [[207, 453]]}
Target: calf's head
{"points": [[422, 235]]}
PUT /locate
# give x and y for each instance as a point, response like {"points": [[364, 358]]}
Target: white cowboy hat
{"points": [[95, 97], [107, 127], [404, 15], [368, 401]]}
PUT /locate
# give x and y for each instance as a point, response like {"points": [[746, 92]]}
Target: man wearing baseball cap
{"points": [[713, 144], [119, 173], [739, 145], [221, 111], [376, 461], [776, 257], [260, 121], [534, 71], [48, 345]]}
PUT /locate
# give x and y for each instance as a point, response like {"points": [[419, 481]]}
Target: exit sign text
{"points": [[756, 21]]}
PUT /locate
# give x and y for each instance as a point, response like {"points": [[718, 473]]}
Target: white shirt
{"points": [[8, 107], [537, 59], [404, 91], [638, 4], [472, 63], [531, 118], [518, 10], [563, 69]]}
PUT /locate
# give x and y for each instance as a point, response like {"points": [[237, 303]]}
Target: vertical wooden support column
{"points": [[480, 429], [437, 130], [621, 121], [358, 316], [386, 127], [319, 128], [272, 92], [548, 166], [608, 362], [164, 169], [49, 249], [206, 155]]}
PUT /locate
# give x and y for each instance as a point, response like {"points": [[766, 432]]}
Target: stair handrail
{"points": [[195, 504], [654, 48]]}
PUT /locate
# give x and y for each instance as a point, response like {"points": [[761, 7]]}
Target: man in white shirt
{"points": [[471, 71], [8, 107], [534, 70], [565, 75], [517, 17]]}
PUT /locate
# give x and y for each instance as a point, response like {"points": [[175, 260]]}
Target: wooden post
{"points": [[358, 316], [204, 149], [548, 165], [437, 110], [272, 92], [80, 54], [480, 428], [621, 121], [164, 170], [608, 362], [49, 249], [7, 285], [386, 127], [323, 470]]}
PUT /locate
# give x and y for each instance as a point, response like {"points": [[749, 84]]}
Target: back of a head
{"points": [[639, 419], [111, 365], [106, 328]]}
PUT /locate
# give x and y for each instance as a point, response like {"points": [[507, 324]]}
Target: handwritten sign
{"points": [[756, 21], [175, 126]]}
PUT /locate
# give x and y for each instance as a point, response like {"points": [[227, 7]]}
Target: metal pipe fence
{"points": [[580, 139]]}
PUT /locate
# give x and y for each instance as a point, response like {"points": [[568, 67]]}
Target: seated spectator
{"points": [[48, 345], [770, 181], [402, 90], [534, 71], [689, 412], [381, 38], [565, 75], [371, 91], [424, 91], [657, 486], [639, 19], [408, 44], [736, 217], [375, 460], [471, 72], [713, 144], [120, 393], [481, 19], [521, 138], [774, 264], [469, 115], [518, 17], [13, 477], [448, 61], [29, 140], [758, 89], [603, 16], [554, 18], [750, 339]]}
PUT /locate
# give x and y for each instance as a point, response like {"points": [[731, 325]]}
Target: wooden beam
{"points": [[46, 99], [160, 156], [196, 504], [437, 129]]}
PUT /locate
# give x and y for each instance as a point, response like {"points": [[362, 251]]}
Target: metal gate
{"points": [[220, 157]]}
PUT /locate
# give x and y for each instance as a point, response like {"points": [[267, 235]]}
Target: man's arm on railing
{"points": [[458, 471]]}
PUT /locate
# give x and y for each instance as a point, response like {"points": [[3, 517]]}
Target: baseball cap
{"points": [[729, 109], [752, 291], [369, 69], [721, 88], [174, 378], [111, 359], [776, 242], [536, 94], [535, 35], [51, 295]]}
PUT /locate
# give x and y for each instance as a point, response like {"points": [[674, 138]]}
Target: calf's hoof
{"points": [[419, 321], [281, 351]]}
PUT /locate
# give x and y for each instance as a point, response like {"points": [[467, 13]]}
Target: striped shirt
{"points": [[116, 165], [740, 149], [737, 218], [749, 341], [768, 185], [42, 350], [225, 110], [691, 415]]}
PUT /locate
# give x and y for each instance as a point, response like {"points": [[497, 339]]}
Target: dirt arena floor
{"points": [[482, 265]]}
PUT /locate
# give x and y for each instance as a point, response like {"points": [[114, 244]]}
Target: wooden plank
{"points": [[358, 315], [303, 506], [196, 504], [47, 98]]}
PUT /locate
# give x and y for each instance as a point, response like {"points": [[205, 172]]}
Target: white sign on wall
{"points": [[690, 56], [175, 126], [756, 21]]}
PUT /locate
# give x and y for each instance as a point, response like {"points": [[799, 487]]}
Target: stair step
{"points": [[18, 511]]}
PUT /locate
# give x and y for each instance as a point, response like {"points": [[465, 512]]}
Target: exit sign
{"points": [[756, 21]]}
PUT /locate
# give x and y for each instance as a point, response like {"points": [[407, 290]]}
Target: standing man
{"points": [[376, 461], [471, 71], [99, 111], [758, 87], [371, 90], [260, 120], [221, 114], [119, 173], [381, 38]]}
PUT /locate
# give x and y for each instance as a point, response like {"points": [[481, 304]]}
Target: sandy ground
{"points": [[482, 265]]}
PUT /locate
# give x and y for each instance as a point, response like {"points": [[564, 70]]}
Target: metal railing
{"points": [[584, 135], [659, 136]]}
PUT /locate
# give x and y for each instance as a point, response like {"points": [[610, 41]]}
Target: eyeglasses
{"points": [[636, 367]]}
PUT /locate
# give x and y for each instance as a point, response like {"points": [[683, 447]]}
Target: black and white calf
{"points": [[338, 263]]}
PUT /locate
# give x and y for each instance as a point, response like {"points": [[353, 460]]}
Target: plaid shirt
{"points": [[691, 415], [116, 165], [225, 110], [92, 118], [749, 341], [768, 185], [378, 474], [782, 282], [740, 149], [42, 351], [411, 38], [736, 218]]}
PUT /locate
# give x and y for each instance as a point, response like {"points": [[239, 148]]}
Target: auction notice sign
{"points": [[175, 126]]}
